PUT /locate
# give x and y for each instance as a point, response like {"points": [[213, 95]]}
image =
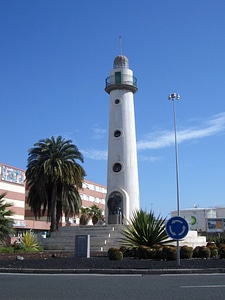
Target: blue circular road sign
{"points": [[177, 228]]}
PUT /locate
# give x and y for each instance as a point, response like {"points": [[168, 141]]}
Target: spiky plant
{"points": [[144, 229], [6, 221], [29, 242]]}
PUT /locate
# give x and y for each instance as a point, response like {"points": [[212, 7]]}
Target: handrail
{"points": [[123, 79]]}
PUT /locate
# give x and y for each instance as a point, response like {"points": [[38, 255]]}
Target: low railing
{"points": [[123, 79]]}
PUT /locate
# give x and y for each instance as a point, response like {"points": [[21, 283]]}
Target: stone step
{"points": [[101, 238], [70, 231], [94, 240]]}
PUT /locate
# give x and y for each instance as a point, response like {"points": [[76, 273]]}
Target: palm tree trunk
{"points": [[53, 226]]}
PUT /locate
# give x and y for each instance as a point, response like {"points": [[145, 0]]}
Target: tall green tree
{"points": [[53, 177], [6, 221]]}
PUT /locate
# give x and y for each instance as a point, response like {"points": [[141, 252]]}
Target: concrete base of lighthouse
{"points": [[115, 219]]}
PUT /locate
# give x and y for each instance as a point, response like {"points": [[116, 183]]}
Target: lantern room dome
{"points": [[121, 61]]}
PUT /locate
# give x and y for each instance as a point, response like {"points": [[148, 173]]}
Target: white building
{"points": [[204, 219]]}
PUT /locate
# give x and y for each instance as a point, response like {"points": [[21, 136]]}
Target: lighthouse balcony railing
{"points": [[122, 79]]}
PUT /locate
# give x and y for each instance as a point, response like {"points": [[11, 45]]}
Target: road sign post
{"points": [[177, 228]]}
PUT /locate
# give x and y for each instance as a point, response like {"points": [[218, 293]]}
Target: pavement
{"points": [[102, 265], [113, 271]]}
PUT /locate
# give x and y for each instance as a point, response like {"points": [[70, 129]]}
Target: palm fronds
{"points": [[53, 178], [6, 221]]}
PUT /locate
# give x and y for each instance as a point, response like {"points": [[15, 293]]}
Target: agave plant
{"points": [[29, 242], [144, 229]]}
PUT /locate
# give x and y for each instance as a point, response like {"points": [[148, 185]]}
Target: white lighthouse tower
{"points": [[122, 178]]}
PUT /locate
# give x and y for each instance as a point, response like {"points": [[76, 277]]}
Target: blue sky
{"points": [[55, 56]]}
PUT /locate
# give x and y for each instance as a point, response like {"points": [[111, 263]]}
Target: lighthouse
{"points": [[122, 197]]}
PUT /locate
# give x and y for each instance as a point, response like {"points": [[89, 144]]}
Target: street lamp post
{"points": [[173, 97]]}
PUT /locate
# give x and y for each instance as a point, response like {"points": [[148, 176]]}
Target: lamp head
{"points": [[173, 96]]}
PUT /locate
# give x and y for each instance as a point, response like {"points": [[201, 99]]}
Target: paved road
{"points": [[116, 287]]}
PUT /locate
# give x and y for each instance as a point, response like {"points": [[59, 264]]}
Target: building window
{"points": [[117, 133], [12, 175], [117, 167], [118, 77], [85, 185]]}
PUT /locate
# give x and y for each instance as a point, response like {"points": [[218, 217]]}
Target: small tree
{"points": [[85, 215], [96, 214], [6, 222]]}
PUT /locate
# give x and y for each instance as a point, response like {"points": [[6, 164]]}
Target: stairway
{"points": [[102, 237]]}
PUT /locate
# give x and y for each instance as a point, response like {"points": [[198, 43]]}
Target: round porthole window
{"points": [[117, 133], [117, 167], [117, 101]]}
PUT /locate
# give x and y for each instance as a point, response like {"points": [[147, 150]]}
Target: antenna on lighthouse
{"points": [[120, 37]]}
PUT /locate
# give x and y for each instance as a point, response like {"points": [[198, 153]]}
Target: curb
{"points": [[113, 271]]}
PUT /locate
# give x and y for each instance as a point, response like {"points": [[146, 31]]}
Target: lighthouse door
{"points": [[115, 205], [118, 77]]}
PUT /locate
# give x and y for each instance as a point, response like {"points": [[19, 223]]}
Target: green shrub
{"points": [[7, 249], [19, 247], [111, 250], [124, 249], [196, 252], [221, 246], [169, 252], [144, 252], [115, 254], [29, 243], [204, 252], [214, 252], [159, 251], [222, 252], [211, 244], [216, 239], [186, 252], [213, 248], [128, 252]]}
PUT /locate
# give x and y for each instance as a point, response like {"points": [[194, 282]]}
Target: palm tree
{"points": [[6, 222], [53, 178], [71, 205], [97, 214], [86, 215]]}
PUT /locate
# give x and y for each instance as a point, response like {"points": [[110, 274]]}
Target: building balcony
{"points": [[121, 81]]}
